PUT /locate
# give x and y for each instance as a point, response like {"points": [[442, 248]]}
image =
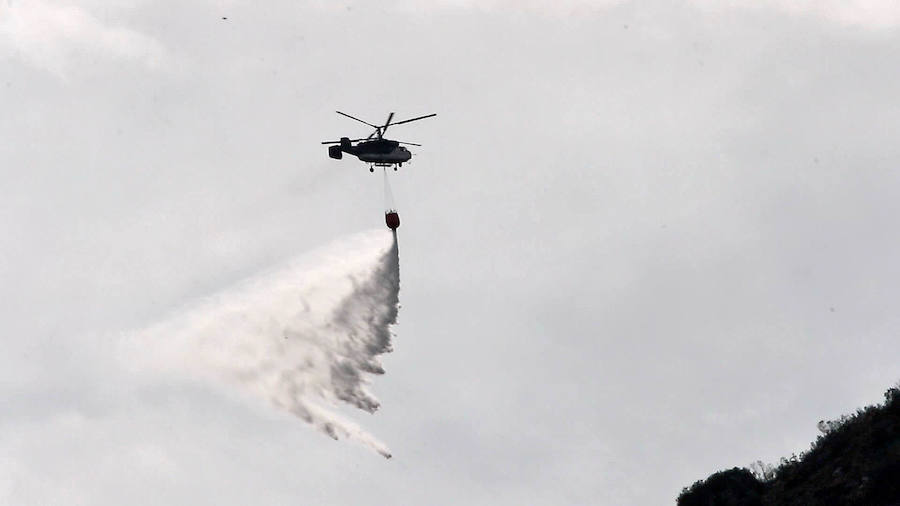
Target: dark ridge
{"points": [[855, 462]]}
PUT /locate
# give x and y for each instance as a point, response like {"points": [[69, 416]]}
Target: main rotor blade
{"points": [[387, 123], [338, 142], [357, 119], [409, 143], [411, 119]]}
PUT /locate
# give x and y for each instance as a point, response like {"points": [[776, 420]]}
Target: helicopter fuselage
{"points": [[383, 151], [379, 151]]}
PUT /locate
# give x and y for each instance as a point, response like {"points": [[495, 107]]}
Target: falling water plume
{"points": [[306, 336]]}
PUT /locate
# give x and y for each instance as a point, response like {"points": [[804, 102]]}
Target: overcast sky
{"points": [[642, 241]]}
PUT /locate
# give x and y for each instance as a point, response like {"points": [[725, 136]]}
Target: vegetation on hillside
{"points": [[856, 461]]}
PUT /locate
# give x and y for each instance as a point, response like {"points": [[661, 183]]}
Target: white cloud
{"points": [[55, 37], [875, 14], [557, 7]]}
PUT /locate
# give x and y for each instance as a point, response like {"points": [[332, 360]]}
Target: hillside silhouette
{"points": [[856, 461]]}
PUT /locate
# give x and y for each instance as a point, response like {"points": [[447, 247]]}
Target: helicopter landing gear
{"points": [[371, 169]]}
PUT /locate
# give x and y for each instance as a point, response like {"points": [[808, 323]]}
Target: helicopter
{"points": [[375, 149]]}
